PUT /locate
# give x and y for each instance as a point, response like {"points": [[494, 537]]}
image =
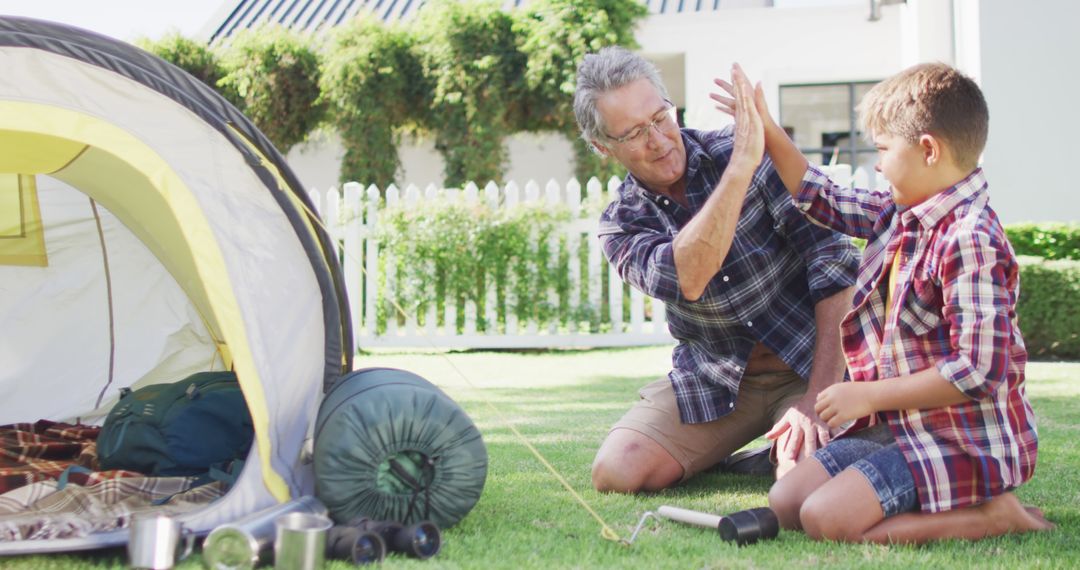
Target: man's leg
{"points": [[629, 461], [651, 449]]}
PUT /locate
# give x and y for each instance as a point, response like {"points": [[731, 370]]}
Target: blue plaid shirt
{"points": [[778, 267]]}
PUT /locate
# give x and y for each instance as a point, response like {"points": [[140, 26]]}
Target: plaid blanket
{"points": [[35, 505]]}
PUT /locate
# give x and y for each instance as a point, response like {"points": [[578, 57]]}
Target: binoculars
{"points": [[365, 541]]}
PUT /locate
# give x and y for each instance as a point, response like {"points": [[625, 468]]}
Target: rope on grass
{"points": [[606, 532]]}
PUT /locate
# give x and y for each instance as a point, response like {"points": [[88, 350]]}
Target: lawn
{"points": [[564, 402]]}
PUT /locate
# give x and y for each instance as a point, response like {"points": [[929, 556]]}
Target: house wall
{"points": [[1013, 48], [1031, 85]]}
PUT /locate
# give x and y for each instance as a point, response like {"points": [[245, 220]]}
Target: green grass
{"points": [[564, 403]]}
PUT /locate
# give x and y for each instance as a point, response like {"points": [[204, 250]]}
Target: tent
{"points": [[148, 231]]}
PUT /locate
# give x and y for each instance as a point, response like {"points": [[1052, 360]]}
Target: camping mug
{"points": [[300, 541], [242, 544], [154, 540]]}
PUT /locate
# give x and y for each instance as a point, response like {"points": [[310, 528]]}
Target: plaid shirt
{"points": [[778, 267], [954, 307]]}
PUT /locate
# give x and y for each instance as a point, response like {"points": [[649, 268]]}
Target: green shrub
{"points": [[450, 250], [272, 75], [192, 56], [373, 87], [1049, 307], [1048, 240]]}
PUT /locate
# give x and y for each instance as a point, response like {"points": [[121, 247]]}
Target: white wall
{"points": [[1020, 52], [782, 45], [1028, 52], [539, 157]]}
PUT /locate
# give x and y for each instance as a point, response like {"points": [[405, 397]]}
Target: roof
{"points": [[314, 15]]}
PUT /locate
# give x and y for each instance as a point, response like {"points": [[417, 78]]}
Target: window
{"points": [[821, 120], [21, 239]]}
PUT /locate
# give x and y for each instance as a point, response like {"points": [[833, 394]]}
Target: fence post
{"points": [[491, 298], [573, 246], [470, 197], [392, 198], [532, 195], [511, 202], [371, 276], [594, 189], [352, 257], [615, 284], [552, 196]]}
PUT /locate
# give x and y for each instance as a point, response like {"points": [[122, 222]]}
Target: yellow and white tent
{"points": [[148, 231]]}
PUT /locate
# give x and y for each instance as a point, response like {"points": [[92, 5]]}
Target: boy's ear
{"points": [[931, 149]]}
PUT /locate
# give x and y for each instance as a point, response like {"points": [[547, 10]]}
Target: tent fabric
{"points": [[177, 241], [389, 445]]}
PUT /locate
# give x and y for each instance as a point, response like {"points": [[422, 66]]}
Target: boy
{"points": [[942, 428]]}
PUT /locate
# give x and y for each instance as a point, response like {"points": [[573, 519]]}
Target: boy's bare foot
{"points": [[1006, 515]]}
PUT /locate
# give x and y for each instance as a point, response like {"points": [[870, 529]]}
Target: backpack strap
{"points": [[62, 480]]}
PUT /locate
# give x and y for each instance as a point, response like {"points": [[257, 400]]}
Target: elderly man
{"points": [[754, 293]]}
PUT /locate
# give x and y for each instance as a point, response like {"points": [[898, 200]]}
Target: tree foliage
{"points": [[466, 73], [192, 56], [373, 88], [272, 75], [469, 52]]}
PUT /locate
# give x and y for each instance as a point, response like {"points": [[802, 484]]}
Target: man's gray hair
{"points": [[604, 71]]}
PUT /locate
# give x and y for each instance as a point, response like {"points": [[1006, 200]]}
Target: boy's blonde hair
{"points": [[930, 98]]}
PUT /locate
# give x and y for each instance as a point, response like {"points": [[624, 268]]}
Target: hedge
{"points": [[1049, 240], [1049, 307]]}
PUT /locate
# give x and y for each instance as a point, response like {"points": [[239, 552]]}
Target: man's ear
{"points": [[600, 149], [931, 149]]}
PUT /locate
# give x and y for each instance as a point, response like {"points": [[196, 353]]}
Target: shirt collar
{"points": [[930, 212]]}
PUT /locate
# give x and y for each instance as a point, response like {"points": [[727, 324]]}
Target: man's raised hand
{"points": [[749, 129]]}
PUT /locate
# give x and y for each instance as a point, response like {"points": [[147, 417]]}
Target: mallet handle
{"points": [[691, 517]]}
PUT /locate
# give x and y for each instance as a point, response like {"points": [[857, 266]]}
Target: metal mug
{"points": [[154, 541], [244, 543], [300, 542]]}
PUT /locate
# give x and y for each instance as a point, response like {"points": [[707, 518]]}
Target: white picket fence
{"points": [[352, 215]]}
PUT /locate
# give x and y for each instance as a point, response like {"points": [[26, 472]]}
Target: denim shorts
{"points": [[874, 453]]}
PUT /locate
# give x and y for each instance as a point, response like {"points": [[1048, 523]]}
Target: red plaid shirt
{"points": [[954, 307]]}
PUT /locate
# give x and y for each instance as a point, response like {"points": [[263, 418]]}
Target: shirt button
{"points": [[738, 369], [731, 405], [749, 323], [726, 279], [667, 202]]}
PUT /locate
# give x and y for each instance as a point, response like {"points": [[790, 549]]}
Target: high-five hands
{"points": [[729, 103], [749, 129]]}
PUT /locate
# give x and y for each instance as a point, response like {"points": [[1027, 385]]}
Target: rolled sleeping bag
{"points": [[389, 445]]}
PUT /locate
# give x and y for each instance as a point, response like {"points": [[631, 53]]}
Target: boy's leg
{"points": [[1001, 515], [844, 508], [788, 494]]}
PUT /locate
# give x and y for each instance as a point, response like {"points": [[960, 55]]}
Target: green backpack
{"points": [[178, 429]]}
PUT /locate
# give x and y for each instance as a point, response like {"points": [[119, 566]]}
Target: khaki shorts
{"points": [[762, 401]]}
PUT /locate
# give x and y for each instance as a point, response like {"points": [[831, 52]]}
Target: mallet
{"points": [[744, 527]]}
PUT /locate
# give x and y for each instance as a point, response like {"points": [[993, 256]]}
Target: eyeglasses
{"points": [[639, 136]]}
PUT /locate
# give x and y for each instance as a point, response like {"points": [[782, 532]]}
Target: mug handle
{"points": [[189, 542]]}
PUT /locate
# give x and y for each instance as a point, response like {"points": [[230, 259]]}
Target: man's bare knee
{"points": [[607, 477], [629, 462]]}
